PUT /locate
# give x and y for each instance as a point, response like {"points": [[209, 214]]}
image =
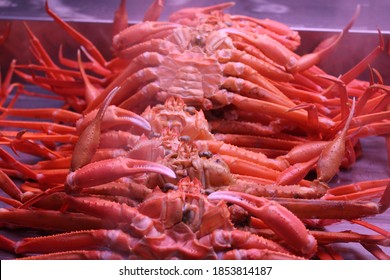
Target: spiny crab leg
{"points": [[140, 225], [7, 244], [86, 239], [284, 223], [330, 209]]}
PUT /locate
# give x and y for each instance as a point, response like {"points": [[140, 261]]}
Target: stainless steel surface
{"points": [[299, 14]]}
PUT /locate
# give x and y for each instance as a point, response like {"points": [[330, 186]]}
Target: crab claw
{"points": [[106, 171], [114, 117], [284, 223]]}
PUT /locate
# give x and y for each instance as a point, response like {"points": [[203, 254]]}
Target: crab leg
{"points": [[345, 191], [256, 141], [324, 237], [129, 78], [77, 255], [308, 60], [262, 67], [38, 136], [257, 254], [42, 56], [9, 187], [91, 92], [124, 187], [77, 36], [300, 117], [295, 173], [237, 239], [57, 115], [270, 47], [43, 126], [244, 167], [17, 165], [165, 245], [154, 11], [137, 33], [332, 155], [141, 225], [330, 209], [240, 70], [256, 89], [284, 223], [249, 185], [376, 251], [32, 148], [362, 65], [154, 45], [121, 20], [116, 240], [6, 86], [7, 244], [274, 29], [52, 220]]}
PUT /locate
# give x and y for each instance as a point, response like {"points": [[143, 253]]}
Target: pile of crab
{"points": [[195, 141]]}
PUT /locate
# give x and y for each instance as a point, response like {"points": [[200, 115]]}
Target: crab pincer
{"points": [[284, 223], [106, 171]]}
